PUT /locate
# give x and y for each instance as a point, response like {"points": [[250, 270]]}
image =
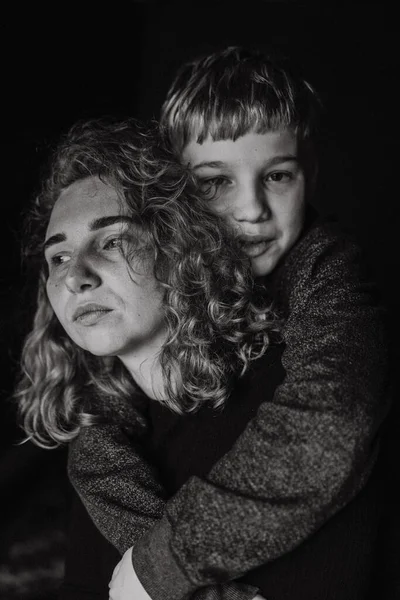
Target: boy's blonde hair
{"points": [[231, 92]]}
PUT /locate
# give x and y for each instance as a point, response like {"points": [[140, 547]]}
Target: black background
{"points": [[123, 64]]}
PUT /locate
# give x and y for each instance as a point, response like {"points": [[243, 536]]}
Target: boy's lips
{"points": [[255, 245]]}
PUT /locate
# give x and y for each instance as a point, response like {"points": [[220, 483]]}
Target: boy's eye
{"points": [[279, 177], [211, 181], [211, 185]]}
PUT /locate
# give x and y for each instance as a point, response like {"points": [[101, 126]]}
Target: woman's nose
{"points": [[252, 203], [81, 276]]}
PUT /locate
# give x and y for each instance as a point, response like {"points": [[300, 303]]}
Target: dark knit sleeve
{"points": [[306, 453], [123, 496], [118, 487]]}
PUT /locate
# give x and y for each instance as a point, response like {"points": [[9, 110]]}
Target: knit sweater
{"points": [[307, 451]]}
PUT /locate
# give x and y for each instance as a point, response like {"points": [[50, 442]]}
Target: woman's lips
{"points": [[92, 317], [90, 313]]}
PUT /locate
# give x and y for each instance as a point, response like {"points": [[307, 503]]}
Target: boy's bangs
{"points": [[231, 120], [226, 103]]}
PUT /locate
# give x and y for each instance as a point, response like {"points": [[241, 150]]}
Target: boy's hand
{"points": [[124, 584]]}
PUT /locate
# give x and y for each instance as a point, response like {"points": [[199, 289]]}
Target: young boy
{"points": [[245, 125]]}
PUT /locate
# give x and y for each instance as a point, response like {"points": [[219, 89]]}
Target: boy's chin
{"points": [[264, 265]]}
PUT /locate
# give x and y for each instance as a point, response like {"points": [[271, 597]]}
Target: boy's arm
{"points": [[123, 496], [118, 487], [306, 453]]}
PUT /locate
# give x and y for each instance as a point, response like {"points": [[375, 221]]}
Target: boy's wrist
{"points": [[163, 579], [157, 568]]}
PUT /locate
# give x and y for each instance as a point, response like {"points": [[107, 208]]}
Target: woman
{"points": [[142, 294]]}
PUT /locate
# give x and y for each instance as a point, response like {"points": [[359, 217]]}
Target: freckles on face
{"points": [[105, 305], [257, 184]]}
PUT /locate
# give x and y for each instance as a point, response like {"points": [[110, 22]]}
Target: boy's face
{"points": [[258, 185]]}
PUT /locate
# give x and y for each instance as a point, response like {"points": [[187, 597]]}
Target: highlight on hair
{"points": [[234, 91], [216, 326]]}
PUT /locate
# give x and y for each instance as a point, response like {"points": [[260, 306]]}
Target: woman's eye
{"points": [[114, 243], [280, 177], [59, 259]]}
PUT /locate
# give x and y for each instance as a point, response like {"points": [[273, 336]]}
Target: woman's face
{"points": [[106, 306]]}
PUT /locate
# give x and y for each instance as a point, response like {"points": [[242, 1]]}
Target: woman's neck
{"points": [[145, 367]]}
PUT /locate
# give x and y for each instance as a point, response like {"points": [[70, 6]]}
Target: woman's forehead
{"points": [[85, 201]]}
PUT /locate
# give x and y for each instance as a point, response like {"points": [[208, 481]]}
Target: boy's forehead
{"points": [[253, 147]]}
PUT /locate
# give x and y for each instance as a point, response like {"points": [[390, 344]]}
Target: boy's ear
{"points": [[312, 177], [310, 164]]}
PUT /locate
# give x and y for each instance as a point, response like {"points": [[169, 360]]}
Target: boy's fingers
{"points": [[115, 572]]}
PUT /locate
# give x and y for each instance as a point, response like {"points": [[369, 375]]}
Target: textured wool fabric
{"points": [[305, 454]]}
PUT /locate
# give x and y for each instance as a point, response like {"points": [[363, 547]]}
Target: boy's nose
{"points": [[252, 204], [81, 277]]}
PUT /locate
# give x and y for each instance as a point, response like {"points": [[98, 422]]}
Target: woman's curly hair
{"points": [[216, 322]]}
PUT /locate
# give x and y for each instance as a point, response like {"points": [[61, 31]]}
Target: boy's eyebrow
{"points": [[212, 163], [215, 164], [94, 225]]}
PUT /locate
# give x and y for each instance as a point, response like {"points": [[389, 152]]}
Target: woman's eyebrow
{"points": [[94, 225], [111, 220], [54, 239]]}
